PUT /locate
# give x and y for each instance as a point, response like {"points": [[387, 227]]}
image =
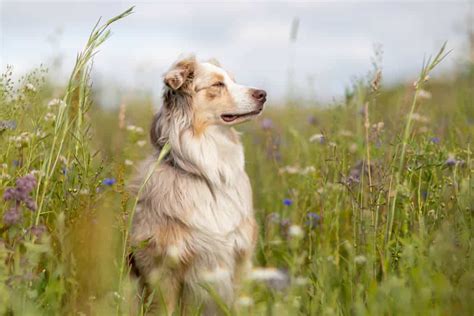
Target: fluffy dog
{"points": [[194, 227]]}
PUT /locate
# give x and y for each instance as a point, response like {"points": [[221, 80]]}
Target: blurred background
{"points": [[308, 51]]}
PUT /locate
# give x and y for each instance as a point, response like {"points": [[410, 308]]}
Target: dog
{"points": [[194, 230]]}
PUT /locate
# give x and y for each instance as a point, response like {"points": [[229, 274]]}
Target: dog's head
{"points": [[211, 93]]}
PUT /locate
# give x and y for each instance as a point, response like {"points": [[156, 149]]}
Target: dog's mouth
{"points": [[229, 118]]}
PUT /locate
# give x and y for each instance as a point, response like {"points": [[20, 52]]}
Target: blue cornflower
{"points": [[435, 140], [288, 202], [313, 220], [109, 181], [424, 194]]}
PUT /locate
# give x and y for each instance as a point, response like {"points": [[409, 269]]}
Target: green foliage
{"points": [[364, 207]]}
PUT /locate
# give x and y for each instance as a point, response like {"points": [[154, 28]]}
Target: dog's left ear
{"points": [[180, 73]]}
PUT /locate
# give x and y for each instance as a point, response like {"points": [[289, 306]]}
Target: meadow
{"points": [[365, 206]]}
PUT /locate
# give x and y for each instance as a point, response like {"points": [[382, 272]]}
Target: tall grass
{"points": [[364, 208]]}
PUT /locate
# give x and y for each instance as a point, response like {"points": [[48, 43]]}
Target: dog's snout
{"points": [[259, 95]]}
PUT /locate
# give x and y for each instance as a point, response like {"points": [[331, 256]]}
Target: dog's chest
{"points": [[223, 210]]}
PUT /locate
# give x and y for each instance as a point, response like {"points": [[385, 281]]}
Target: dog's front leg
{"points": [[165, 290]]}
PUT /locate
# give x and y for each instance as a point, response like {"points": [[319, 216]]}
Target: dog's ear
{"points": [[180, 73]]}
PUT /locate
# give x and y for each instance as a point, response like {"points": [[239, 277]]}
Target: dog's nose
{"points": [[259, 95]]}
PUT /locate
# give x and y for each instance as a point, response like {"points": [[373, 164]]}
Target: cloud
{"points": [[335, 39]]}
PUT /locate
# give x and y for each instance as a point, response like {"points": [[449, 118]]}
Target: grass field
{"points": [[365, 207]]}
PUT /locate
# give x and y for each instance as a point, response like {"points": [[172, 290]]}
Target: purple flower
{"points": [[273, 218], [30, 204], [266, 123], [284, 225], [12, 216], [313, 220], [26, 183], [451, 161], [21, 193], [435, 140], [312, 120], [38, 230], [109, 181], [288, 202], [9, 194]]}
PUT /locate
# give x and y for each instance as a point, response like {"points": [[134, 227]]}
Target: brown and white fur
{"points": [[194, 224]]}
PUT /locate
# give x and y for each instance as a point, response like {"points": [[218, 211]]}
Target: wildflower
{"points": [[62, 159], [273, 217], [245, 301], [277, 279], [295, 231], [360, 260], [423, 129], [22, 140], [378, 127], [375, 84], [141, 143], [266, 124], [423, 94], [30, 87], [38, 230], [131, 128], [50, 117], [128, 162], [356, 172], [419, 118], [40, 134], [287, 202], [345, 133], [21, 193], [317, 138], [308, 169], [4, 125], [55, 102], [301, 281], [135, 129], [109, 181], [312, 120], [289, 170], [353, 148], [435, 140], [30, 204], [452, 161], [12, 216], [424, 194], [313, 220]]}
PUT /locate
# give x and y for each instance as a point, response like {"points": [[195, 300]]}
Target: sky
{"points": [[335, 41]]}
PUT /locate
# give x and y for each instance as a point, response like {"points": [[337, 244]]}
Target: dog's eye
{"points": [[219, 84]]}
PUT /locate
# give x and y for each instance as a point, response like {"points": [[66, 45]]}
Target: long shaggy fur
{"points": [[194, 223]]}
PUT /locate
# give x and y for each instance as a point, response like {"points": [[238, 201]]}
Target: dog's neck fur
{"points": [[216, 154]]}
